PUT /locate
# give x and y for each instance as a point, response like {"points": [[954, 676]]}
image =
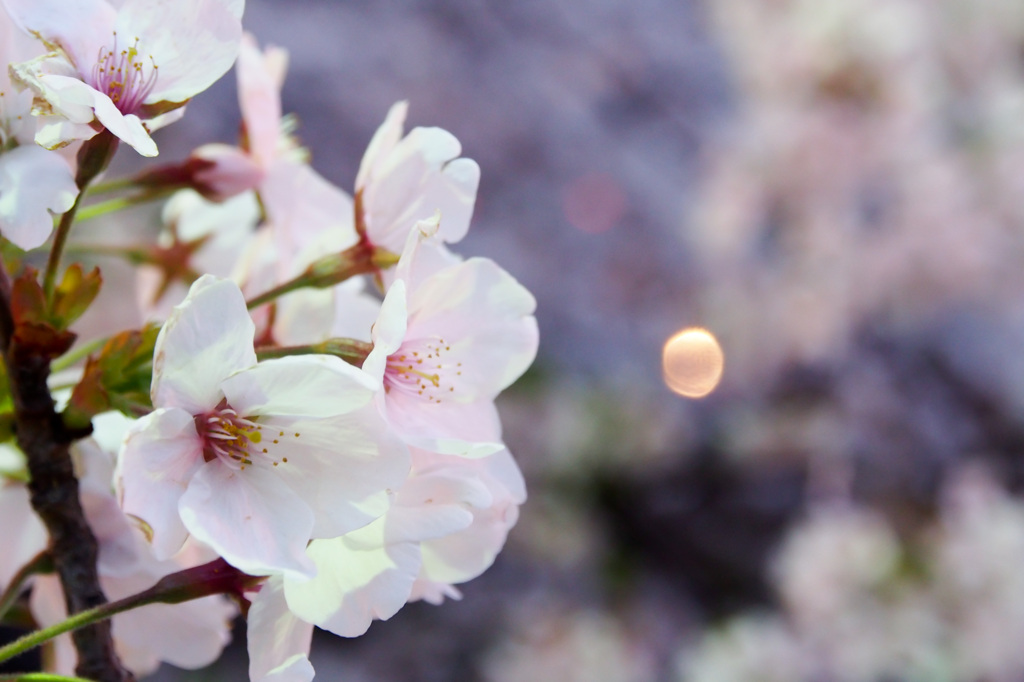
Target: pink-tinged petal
{"points": [[190, 635], [420, 177], [23, 532], [382, 143], [435, 505], [423, 232], [232, 173], [259, 95], [431, 256], [354, 311], [33, 182], [455, 194], [250, 517], [80, 27], [388, 331], [354, 586], [487, 317], [464, 555], [299, 386], [303, 317], [450, 428], [302, 205], [501, 467], [160, 454], [193, 42], [208, 337], [342, 467], [278, 642]]}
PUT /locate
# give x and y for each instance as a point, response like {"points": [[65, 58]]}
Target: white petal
{"points": [[250, 517], [278, 642], [80, 27], [343, 468], [463, 555], [72, 98], [207, 338], [193, 42], [232, 173], [488, 318], [299, 386], [353, 586], [33, 182], [450, 428], [259, 95], [388, 331], [382, 142], [415, 182], [161, 453], [434, 505], [302, 205], [190, 635]]}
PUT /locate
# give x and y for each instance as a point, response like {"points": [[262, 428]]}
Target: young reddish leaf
{"points": [[117, 378], [28, 302], [74, 295]]}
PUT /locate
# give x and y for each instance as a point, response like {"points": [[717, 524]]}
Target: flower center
{"points": [[121, 74], [421, 367], [239, 441]]}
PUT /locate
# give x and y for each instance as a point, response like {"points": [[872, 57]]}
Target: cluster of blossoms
{"points": [[860, 603], [309, 410], [872, 171]]}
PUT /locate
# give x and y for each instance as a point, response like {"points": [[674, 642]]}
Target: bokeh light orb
{"points": [[692, 362]]}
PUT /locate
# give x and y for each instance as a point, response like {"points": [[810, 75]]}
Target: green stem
{"points": [[216, 577], [109, 186], [41, 563], [277, 292], [350, 350], [60, 237], [80, 619], [40, 677], [102, 208], [109, 206], [93, 158], [333, 269]]}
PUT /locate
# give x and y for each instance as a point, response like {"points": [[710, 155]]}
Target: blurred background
{"points": [[835, 191]]}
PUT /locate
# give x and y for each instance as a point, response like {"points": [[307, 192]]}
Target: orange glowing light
{"points": [[692, 362]]}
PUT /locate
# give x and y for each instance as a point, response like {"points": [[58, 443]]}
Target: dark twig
{"points": [[54, 492]]}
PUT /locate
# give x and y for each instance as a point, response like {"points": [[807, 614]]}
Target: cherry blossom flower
{"points": [[458, 557], [446, 524], [446, 343], [128, 67], [253, 459], [33, 182], [402, 180], [267, 139], [188, 635]]}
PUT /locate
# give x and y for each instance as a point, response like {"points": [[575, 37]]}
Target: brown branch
{"points": [[54, 491]]}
